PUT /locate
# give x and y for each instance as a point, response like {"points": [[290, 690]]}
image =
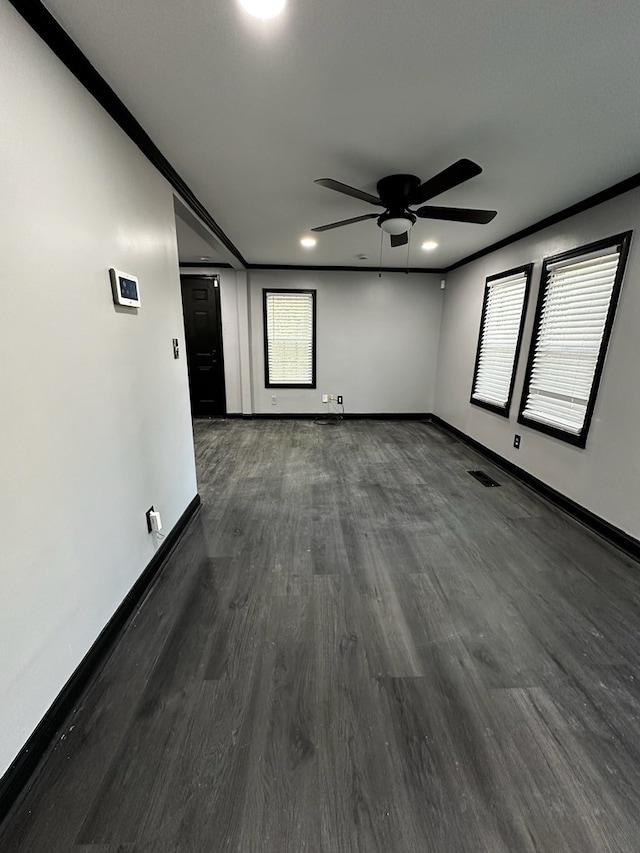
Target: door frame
{"points": [[214, 278]]}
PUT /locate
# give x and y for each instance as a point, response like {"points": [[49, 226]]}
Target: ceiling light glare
{"points": [[429, 245], [308, 242], [263, 8]]}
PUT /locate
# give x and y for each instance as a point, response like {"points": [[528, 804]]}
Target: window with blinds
{"points": [[503, 310], [576, 306], [289, 338]]}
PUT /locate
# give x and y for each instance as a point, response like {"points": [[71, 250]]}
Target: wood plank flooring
{"points": [[358, 647]]}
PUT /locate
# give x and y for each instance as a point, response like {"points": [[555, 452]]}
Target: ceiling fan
{"points": [[397, 192]]}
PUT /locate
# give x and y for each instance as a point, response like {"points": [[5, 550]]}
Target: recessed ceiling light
{"points": [[429, 245], [263, 8], [205, 259], [308, 242]]}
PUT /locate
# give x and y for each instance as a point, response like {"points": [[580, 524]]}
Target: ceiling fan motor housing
{"points": [[396, 191]]}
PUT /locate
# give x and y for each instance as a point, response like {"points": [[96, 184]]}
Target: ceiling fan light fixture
{"points": [[264, 9], [396, 224], [397, 193]]}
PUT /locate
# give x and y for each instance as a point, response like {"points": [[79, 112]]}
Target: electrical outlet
{"points": [[274, 400], [176, 348], [339, 399], [516, 442]]}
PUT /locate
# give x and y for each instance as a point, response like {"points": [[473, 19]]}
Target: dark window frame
{"points": [[300, 385], [621, 241], [527, 269]]}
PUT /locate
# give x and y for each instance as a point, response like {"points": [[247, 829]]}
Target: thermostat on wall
{"points": [[126, 290]]}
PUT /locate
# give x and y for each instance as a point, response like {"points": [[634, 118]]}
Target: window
{"points": [[576, 305], [503, 310], [289, 338]]}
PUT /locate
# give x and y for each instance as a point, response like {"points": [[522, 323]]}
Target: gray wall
{"points": [[377, 341], [95, 422], [605, 476]]}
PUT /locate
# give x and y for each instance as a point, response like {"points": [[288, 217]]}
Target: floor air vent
{"points": [[483, 478]]}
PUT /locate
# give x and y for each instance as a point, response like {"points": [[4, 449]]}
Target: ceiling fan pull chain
{"points": [[380, 264], [408, 248]]}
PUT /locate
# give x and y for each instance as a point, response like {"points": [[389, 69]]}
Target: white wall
{"points": [[377, 341], [95, 423], [605, 476]]}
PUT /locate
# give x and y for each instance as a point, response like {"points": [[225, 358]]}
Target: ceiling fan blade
{"points": [[456, 214], [453, 175], [330, 184], [400, 239], [345, 222]]}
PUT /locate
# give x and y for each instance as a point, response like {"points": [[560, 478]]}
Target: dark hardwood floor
{"points": [[358, 647]]}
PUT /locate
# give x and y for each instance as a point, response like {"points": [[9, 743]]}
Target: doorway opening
{"points": [[203, 339]]}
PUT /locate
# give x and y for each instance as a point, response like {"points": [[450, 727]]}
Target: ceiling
{"points": [[543, 95]]}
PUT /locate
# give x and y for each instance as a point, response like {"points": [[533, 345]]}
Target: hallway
{"points": [[358, 647]]}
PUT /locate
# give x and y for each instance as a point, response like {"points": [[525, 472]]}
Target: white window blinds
{"points": [[568, 339], [499, 339], [289, 330]]}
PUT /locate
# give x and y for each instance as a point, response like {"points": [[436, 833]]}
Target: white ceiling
{"points": [[543, 95]]}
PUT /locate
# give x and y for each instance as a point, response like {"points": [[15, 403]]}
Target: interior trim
{"points": [[67, 51], [526, 270], [614, 191], [310, 268], [17, 777], [52, 33], [621, 242], [343, 268], [613, 535], [347, 416], [205, 265], [265, 339]]}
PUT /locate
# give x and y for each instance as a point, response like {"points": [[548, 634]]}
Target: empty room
{"points": [[319, 458]]}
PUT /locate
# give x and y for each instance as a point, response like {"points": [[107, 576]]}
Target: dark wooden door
{"points": [[203, 333]]}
